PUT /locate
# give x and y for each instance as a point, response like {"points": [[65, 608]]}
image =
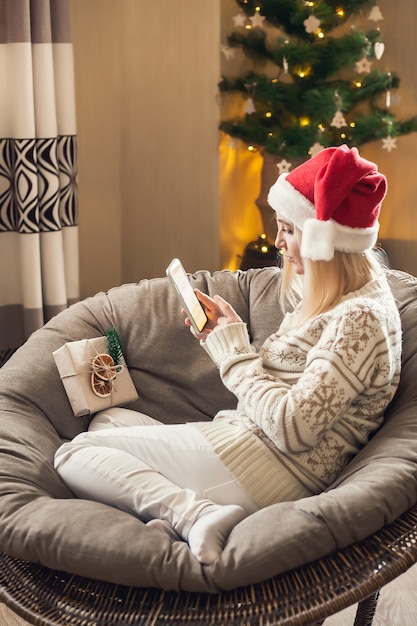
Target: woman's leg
{"points": [[179, 451], [118, 417], [161, 472]]}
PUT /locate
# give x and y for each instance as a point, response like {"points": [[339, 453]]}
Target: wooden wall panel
{"points": [[146, 87]]}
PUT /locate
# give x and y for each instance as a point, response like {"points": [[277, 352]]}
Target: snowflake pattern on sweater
{"points": [[315, 392]]}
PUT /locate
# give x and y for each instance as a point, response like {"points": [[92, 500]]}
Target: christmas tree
{"points": [[315, 79]]}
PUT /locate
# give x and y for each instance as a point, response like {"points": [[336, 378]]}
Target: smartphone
{"points": [[178, 275]]}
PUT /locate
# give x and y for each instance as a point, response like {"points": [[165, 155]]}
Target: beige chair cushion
{"points": [[41, 521]]}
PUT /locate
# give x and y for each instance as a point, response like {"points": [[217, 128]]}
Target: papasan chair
{"points": [[71, 561]]}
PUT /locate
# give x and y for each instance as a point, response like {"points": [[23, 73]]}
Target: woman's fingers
{"points": [[218, 311], [227, 311]]}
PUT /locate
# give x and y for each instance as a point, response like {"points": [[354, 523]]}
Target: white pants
{"points": [[152, 470]]}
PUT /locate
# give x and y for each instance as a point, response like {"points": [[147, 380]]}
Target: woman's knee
{"points": [[118, 417]]}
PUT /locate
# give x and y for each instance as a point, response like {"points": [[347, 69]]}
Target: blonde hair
{"points": [[324, 283]]}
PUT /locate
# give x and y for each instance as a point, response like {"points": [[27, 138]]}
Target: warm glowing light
{"points": [[268, 114], [343, 135], [264, 249], [257, 9], [340, 12], [274, 80], [320, 127], [320, 34], [352, 124], [262, 236], [304, 121], [251, 148], [269, 134], [248, 26], [303, 72], [357, 83]]}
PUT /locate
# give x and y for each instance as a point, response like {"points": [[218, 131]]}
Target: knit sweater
{"points": [[308, 401]]}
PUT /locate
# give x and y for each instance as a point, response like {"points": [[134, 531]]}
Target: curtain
{"points": [[39, 274]]}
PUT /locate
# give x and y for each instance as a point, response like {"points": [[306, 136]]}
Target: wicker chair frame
{"points": [[301, 597]]}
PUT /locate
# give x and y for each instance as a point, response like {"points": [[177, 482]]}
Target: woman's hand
{"points": [[218, 311]]}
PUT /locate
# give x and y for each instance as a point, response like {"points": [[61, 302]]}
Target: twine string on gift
{"points": [[103, 369], [104, 372]]}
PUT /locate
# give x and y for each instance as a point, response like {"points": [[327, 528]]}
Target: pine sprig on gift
{"points": [[114, 346]]}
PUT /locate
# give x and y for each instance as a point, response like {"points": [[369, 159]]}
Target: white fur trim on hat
{"points": [[317, 242], [349, 239], [321, 238], [290, 203]]}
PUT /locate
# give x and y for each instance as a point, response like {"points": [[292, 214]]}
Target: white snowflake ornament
{"points": [[389, 143], [338, 120], [311, 24]]}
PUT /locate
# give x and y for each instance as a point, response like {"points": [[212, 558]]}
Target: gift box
{"points": [[93, 381]]}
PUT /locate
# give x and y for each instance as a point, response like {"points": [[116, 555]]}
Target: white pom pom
{"points": [[317, 242]]}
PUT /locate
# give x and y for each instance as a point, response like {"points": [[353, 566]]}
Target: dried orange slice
{"points": [[103, 367], [101, 387]]}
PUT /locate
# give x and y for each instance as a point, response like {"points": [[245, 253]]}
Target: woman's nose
{"points": [[279, 241]]}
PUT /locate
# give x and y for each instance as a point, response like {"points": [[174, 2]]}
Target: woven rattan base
{"points": [[304, 596]]}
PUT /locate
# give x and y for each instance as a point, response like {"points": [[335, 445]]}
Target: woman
{"points": [[307, 402]]}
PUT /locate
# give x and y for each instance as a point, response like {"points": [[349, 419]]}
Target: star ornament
{"points": [[389, 143], [239, 19], [257, 20], [363, 66], [284, 166]]}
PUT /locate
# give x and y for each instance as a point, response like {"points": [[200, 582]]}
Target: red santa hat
{"points": [[335, 199]]}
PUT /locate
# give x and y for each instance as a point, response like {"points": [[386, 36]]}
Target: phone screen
{"points": [[190, 301]]}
